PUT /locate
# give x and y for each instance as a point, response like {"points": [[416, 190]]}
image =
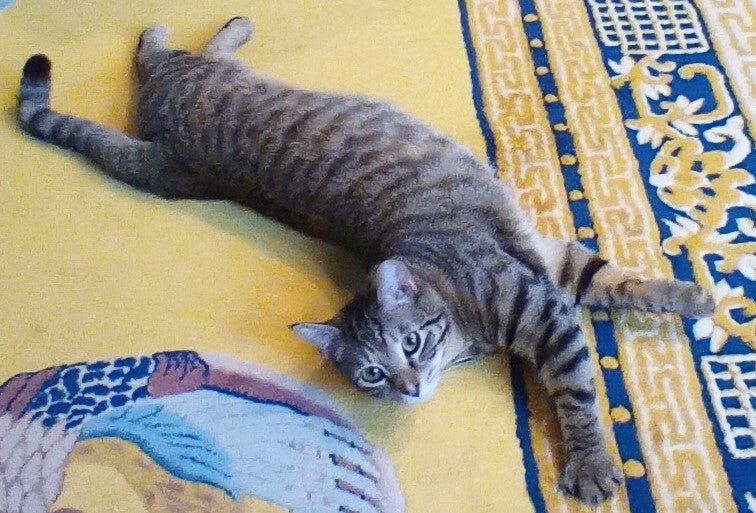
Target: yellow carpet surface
{"points": [[91, 269], [625, 124]]}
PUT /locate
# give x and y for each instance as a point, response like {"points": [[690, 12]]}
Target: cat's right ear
{"points": [[395, 284], [323, 336]]}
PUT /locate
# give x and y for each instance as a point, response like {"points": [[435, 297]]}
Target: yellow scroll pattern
{"points": [[514, 107], [732, 28], [683, 465], [702, 185]]}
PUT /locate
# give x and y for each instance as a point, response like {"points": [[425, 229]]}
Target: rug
{"points": [[183, 433], [625, 124]]}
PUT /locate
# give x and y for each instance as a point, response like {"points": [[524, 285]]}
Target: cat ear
{"points": [[395, 284], [323, 336]]}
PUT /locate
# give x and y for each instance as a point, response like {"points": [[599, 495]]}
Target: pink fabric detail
{"points": [[177, 373], [342, 462], [16, 393], [256, 388]]}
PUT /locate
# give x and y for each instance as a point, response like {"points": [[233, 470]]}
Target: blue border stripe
{"points": [[532, 479], [477, 92], [639, 493]]}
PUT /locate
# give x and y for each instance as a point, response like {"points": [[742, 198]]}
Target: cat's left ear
{"points": [[395, 284], [323, 336]]}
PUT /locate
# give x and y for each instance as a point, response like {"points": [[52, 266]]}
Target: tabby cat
{"points": [[458, 270]]}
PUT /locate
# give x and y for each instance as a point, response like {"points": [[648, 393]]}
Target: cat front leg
{"points": [[566, 370], [589, 473], [554, 342]]}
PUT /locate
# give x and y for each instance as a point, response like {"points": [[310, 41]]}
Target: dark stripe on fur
{"points": [[566, 276], [551, 349], [549, 310], [33, 124], [431, 322], [579, 396], [572, 363], [587, 274], [518, 308]]}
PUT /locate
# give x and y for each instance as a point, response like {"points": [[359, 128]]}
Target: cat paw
{"points": [[239, 20], [242, 27], [591, 478], [695, 301], [154, 36]]}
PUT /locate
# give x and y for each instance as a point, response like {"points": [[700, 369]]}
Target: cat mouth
{"points": [[424, 393], [411, 399]]}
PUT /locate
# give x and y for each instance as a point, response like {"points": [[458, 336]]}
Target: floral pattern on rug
{"points": [[211, 434]]}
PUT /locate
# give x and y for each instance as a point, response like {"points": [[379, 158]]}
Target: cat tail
{"points": [[123, 157]]}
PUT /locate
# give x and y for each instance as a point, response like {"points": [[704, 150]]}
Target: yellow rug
{"points": [[624, 123]]}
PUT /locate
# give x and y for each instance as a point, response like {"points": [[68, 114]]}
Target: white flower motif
{"points": [[717, 340], [747, 227], [623, 67], [689, 107], [684, 227], [655, 91], [722, 238], [685, 108], [646, 133], [705, 327], [684, 127], [681, 231], [747, 266], [723, 290]]}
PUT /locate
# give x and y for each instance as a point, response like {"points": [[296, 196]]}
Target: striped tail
{"points": [[34, 100], [125, 158]]}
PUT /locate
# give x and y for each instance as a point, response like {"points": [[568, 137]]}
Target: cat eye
{"points": [[372, 375], [411, 344]]}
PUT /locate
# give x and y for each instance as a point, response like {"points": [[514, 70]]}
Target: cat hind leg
{"points": [[141, 164], [234, 34], [151, 51], [596, 282]]}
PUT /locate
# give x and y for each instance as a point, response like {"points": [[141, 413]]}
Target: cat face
{"points": [[392, 342]]}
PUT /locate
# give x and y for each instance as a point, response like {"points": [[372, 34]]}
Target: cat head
{"points": [[392, 341]]}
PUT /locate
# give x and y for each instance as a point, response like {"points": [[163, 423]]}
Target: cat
{"points": [[458, 272]]}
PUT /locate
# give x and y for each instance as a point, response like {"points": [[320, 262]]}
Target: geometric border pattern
{"points": [[512, 116], [642, 27], [628, 235], [732, 28], [731, 381]]}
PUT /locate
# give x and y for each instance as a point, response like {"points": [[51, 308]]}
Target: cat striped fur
{"points": [[458, 270]]}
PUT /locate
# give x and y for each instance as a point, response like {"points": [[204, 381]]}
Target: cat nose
{"points": [[407, 382], [412, 389], [409, 387]]}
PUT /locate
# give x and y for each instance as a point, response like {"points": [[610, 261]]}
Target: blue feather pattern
{"points": [[242, 446]]}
